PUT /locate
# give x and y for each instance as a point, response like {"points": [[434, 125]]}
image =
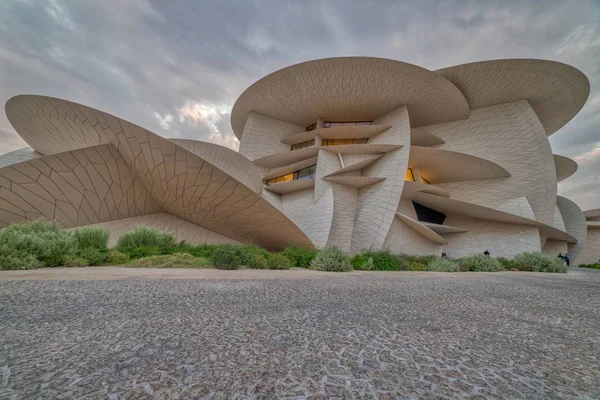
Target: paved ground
{"points": [[368, 335]]}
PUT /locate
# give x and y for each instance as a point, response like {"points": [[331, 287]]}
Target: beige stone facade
{"points": [[356, 152]]}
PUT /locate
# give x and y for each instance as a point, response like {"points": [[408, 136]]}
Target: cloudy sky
{"points": [[176, 67]]}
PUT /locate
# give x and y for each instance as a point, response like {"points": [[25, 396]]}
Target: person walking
{"points": [[561, 256], [567, 259], [486, 253]]}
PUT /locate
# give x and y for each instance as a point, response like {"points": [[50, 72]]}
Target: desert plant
{"points": [[416, 266], [227, 257], [300, 257], [443, 265], [592, 266], [152, 240], [40, 239], [92, 256], [278, 261], [252, 256], [480, 263], [198, 250], [539, 262], [332, 259], [383, 260], [115, 257], [176, 260], [10, 260], [506, 263], [96, 238], [404, 260], [73, 260]]}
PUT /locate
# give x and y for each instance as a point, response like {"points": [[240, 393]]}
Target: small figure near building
{"points": [[486, 253]]}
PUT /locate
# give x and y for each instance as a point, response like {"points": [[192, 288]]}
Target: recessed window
{"points": [[409, 175], [302, 145], [339, 142], [301, 174], [354, 123]]}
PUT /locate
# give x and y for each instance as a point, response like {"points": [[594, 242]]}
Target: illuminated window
{"points": [[425, 180], [330, 124], [338, 142], [311, 127], [409, 175], [304, 173], [308, 143]]}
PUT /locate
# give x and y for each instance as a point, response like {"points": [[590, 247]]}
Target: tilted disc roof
{"points": [[556, 91], [350, 89]]}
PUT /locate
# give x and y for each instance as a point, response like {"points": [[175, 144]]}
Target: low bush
{"points": [[383, 260], [197, 250], [278, 261], [151, 242], [331, 259], [227, 257], [252, 256], [404, 261], [506, 264], [300, 257], [539, 262], [362, 262], [176, 260], [40, 239], [92, 256], [115, 257], [592, 266], [11, 260], [416, 266], [95, 238], [73, 260], [480, 263], [443, 265]]}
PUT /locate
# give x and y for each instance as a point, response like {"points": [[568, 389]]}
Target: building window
{"points": [[302, 145], [304, 173], [409, 175], [425, 180], [338, 142], [330, 124], [311, 127]]}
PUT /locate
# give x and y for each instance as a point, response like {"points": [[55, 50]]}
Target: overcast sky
{"points": [[177, 67]]}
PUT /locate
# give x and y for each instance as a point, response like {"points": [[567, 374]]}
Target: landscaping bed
{"points": [[42, 244]]}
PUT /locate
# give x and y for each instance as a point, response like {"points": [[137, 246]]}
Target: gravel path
{"points": [[475, 336]]}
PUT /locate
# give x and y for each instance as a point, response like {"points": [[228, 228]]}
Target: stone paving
{"points": [[366, 336]]}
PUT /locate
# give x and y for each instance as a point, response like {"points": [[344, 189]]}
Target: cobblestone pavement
{"points": [[475, 336]]}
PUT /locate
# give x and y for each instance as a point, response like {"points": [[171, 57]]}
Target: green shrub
{"points": [[40, 239], [278, 261], [404, 261], [144, 251], [115, 257], [383, 260], [176, 260], [199, 250], [506, 263], [480, 263], [252, 256], [358, 260], [152, 241], [539, 262], [96, 238], [443, 265], [11, 260], [73, 260], [300, 257], [416, 266], [331, 259], [92, 256], [592, 266], [227, 257]]}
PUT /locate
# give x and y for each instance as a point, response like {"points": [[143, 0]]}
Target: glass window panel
{"points": [[409, 175]]}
